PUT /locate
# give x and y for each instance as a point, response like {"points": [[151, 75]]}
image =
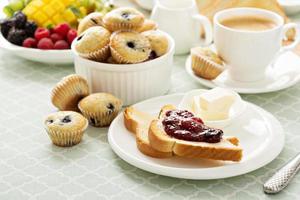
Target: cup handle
{"points": [[287, 27], [205, 22]]}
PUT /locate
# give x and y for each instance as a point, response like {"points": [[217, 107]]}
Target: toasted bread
{"points": [[165, 109], [134, 118], [138, 123], [226, 149]]}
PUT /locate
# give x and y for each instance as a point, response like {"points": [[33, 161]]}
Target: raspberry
{"points": [[62, 29], [72, 34], [45, 43], [30, 43], [55, 37], [41, 33], [61, 44]]}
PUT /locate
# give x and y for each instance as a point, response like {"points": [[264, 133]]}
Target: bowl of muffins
{"points": [[124, 54]]}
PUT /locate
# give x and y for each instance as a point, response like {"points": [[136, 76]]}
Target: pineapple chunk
{"points": [[69, 16], [39, 17], [49, 11], [54, 12], [47, 23], [57, 19], [37, 3]]}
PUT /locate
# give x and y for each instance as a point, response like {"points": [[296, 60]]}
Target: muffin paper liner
{"points": [[99, 55], [147, 27], [70, 90], [122, 26], [66, 138], [121, 60], [205, 68]]}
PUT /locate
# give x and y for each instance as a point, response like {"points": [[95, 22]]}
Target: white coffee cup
{"points": [[249, 53], [181, 20]]}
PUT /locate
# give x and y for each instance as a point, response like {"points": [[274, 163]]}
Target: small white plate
{"points": [[284, 73], [37, 55], [291, 7], [235, 111], [260, 134]]}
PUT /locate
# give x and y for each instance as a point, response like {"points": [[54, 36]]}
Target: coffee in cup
{"points": [[249, 23], [249, 40]]}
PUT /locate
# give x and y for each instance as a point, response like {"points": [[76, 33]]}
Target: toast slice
{"points": [[134, 119], [138, 123], [227, 149]]}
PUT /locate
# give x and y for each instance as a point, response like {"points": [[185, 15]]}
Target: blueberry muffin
{"points": [[100, 108], [147, 26], [158, 41], [206, 63], [93, 44], [129, 47], [93, 19], [67, 93], [65, 128], [123, 18]]}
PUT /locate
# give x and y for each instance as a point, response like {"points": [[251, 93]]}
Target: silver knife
{"points": [[282, 178]]}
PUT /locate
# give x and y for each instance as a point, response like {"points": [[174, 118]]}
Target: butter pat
{"points": [[213, 116], [214, 104]]}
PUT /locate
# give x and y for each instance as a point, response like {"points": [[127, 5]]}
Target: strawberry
{"points": [[30, 43], [61, 44], [45, 43], [41, 33], [72, 34], [62, 29], [55, 37]]}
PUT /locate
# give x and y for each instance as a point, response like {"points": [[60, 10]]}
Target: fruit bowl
{"points": [[37, 55]]}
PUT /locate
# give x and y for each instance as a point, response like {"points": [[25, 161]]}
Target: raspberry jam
{"points": [[182, 124]]}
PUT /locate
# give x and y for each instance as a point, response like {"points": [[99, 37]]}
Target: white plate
{"points": [[260, 134], [291, 7], [43, 56], [285, 73], [145, 4]]}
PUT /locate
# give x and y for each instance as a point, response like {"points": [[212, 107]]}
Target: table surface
{"points": [[32, 168]]}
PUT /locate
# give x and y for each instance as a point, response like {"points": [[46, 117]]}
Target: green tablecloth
{"points": [[32, 168]]}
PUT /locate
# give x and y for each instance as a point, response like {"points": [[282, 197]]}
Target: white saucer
{"points": [[285, 73], [291, 7], [37, 55], [260, 134]]}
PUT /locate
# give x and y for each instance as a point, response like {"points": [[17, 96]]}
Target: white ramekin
{"points": [[130, 82]]}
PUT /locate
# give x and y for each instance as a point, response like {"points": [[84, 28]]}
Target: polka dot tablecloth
{"points": [[32, 168]]}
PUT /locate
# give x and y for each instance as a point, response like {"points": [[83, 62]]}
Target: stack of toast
{"points": [[152, 140]]}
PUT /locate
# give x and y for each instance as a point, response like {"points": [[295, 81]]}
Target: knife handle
{"points": [[282, 178]]}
